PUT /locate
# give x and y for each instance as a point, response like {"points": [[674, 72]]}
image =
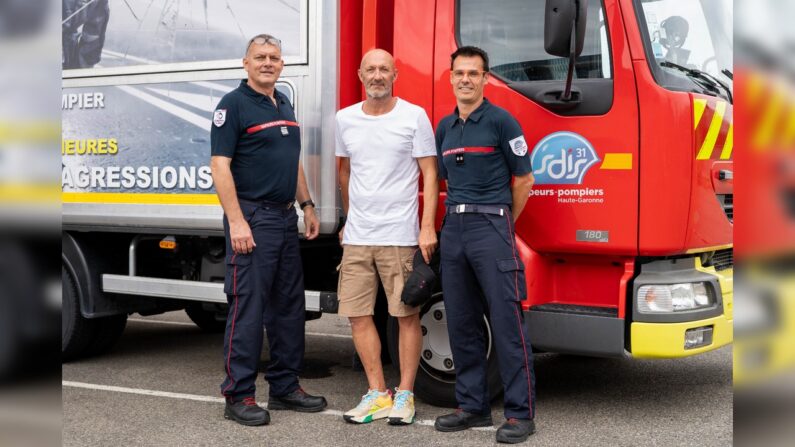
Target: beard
{"points": [[378, 94]]}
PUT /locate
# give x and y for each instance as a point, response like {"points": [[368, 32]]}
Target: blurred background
{"points": [[30, 397], [764, 348]]}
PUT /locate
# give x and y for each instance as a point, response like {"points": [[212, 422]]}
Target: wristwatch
{"points": [[307, 203]]}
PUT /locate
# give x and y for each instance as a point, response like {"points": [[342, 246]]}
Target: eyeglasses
{"points": [[262, 39], [473, 75]]}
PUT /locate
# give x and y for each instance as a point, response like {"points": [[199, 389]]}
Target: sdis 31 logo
{"points": [[562, 158]]}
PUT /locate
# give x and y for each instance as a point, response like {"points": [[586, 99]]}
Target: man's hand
{"points": [[311, 224], [242, 238], [428, 243], [341, 233]]}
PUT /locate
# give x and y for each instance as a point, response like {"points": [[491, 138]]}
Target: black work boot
{"points": [[246, 412], [298, 400], [514, 431], [461, 420]]}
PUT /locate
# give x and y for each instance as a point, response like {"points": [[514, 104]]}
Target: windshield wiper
{"points": [[712, 81], [728, 73]]}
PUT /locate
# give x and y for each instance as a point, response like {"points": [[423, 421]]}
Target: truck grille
{"points": [[727, 203], [723, 259]]}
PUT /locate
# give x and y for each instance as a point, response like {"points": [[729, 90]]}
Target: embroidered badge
{"points": [[219, 117], [518, 146]]}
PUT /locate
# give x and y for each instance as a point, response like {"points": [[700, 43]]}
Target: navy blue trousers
{"points": [[264, 287], [478, 253]]}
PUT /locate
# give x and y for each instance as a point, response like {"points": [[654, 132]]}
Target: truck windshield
{"points": [[690, 43]]}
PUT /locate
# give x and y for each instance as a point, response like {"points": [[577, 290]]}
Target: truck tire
{"points": [[9, 339], [107, 331], [205, 319], [76, 331], [435, 382]]}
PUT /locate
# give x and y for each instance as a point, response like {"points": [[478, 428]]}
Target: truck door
{"points": [[585, 157]]}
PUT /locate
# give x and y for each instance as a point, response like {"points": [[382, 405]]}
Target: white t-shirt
{"points": [[383, 205]]}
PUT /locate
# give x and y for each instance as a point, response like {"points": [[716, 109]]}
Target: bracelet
{"points": [[307, 203]]}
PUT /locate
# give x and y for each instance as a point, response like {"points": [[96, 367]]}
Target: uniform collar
{"points": [[474, 116], [259, 97]]}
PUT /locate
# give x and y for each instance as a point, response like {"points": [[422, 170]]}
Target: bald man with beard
{"points": [[383, 143]]}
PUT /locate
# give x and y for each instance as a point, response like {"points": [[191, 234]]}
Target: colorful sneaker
{"points": [[403, 408], [374, 405]]}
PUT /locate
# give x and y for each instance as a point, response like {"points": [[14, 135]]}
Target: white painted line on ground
{"points": [[182, 323], [174, 323], [321, 334], [142, 392], [199, 398]]}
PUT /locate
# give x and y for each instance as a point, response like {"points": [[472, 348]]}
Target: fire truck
{"points": [[626, 104]]}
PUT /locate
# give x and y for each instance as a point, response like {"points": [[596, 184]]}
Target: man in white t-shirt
{"points": [[383, 143]]}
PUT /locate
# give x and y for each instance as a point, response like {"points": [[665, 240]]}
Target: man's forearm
{"points": [[430, 198], [430, 191], [520, 191], [345, 176], [225, 188], [302, 191]]}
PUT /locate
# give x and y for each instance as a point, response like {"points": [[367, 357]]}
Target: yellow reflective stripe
{"points": [[29, 193], [789, 133], [712, 135], [617, 161], [766, 129], [698, 111], [140, 198], [726, 153], [754, 90], [712, 248]]}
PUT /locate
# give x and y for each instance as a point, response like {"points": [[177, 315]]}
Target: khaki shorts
{"points": [[358, 284]]}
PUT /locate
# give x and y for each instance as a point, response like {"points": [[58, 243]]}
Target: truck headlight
{"points": [[667, 298], [756, 309]]}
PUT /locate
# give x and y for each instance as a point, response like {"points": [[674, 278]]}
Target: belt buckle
{"points": [[460, 208]]}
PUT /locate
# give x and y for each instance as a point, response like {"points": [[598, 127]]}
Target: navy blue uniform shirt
{"points": [[479, 156], [262, 140]]}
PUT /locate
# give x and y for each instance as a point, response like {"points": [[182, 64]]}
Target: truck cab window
{"points": [[513, 35], [689, 44]]}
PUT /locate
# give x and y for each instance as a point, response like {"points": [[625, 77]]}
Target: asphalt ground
{"points": [[160, 386]]}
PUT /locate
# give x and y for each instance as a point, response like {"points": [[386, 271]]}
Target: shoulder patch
{"points": [[219, 117], [518, 146]]}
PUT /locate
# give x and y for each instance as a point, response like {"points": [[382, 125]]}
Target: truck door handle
{"points": [[551, 98]]}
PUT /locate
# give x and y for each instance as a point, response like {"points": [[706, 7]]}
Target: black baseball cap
{"points": [[421, 282]]}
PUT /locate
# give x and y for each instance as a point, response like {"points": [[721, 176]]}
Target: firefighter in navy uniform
{"points": [[258, 177], [480, 149]]}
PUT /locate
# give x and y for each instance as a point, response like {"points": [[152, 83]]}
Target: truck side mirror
{"points": [[564, 22], [564, 36]]}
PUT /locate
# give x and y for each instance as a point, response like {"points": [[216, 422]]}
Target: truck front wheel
{"points": [[435, 383]]}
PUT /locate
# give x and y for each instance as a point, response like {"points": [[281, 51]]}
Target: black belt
{"points": [[500, 210], [266, 204]]}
